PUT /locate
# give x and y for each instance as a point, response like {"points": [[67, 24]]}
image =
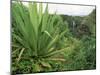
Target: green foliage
{"points": [[42, 42], [90, 24], [35, 35]]}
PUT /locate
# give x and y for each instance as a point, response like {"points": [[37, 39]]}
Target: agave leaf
{"points": [[34, 20], [20, 54], [16, 50], [45, 64], [54, 52], [51, 23], [52, 42], [40, 12], [48, 34], [16, 45], [51, 49], [56, 59], [19, 21], [45, 19], [33, 15], [18, 39]]}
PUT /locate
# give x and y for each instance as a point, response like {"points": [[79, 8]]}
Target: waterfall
{"points": [[73, 23]]}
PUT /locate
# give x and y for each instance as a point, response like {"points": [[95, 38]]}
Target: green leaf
{"points": [[16, 50], [56, 59], [45, 19], [54, 40], [20, 54], [45, 64], [40, 12], [54, 52], [48, 34]]}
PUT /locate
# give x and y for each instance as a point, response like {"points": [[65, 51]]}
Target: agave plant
{"points": [[35, 35]]}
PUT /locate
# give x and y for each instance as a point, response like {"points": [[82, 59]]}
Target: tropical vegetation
{"points": [[44, 42]]}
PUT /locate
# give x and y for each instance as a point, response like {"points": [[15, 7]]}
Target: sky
{"points": [[66, 9], [75, 10]]}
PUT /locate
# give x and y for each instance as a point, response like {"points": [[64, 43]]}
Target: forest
{"points": [[43, 42]]}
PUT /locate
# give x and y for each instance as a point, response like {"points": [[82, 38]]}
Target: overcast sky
{"points": [[75, 10]]}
